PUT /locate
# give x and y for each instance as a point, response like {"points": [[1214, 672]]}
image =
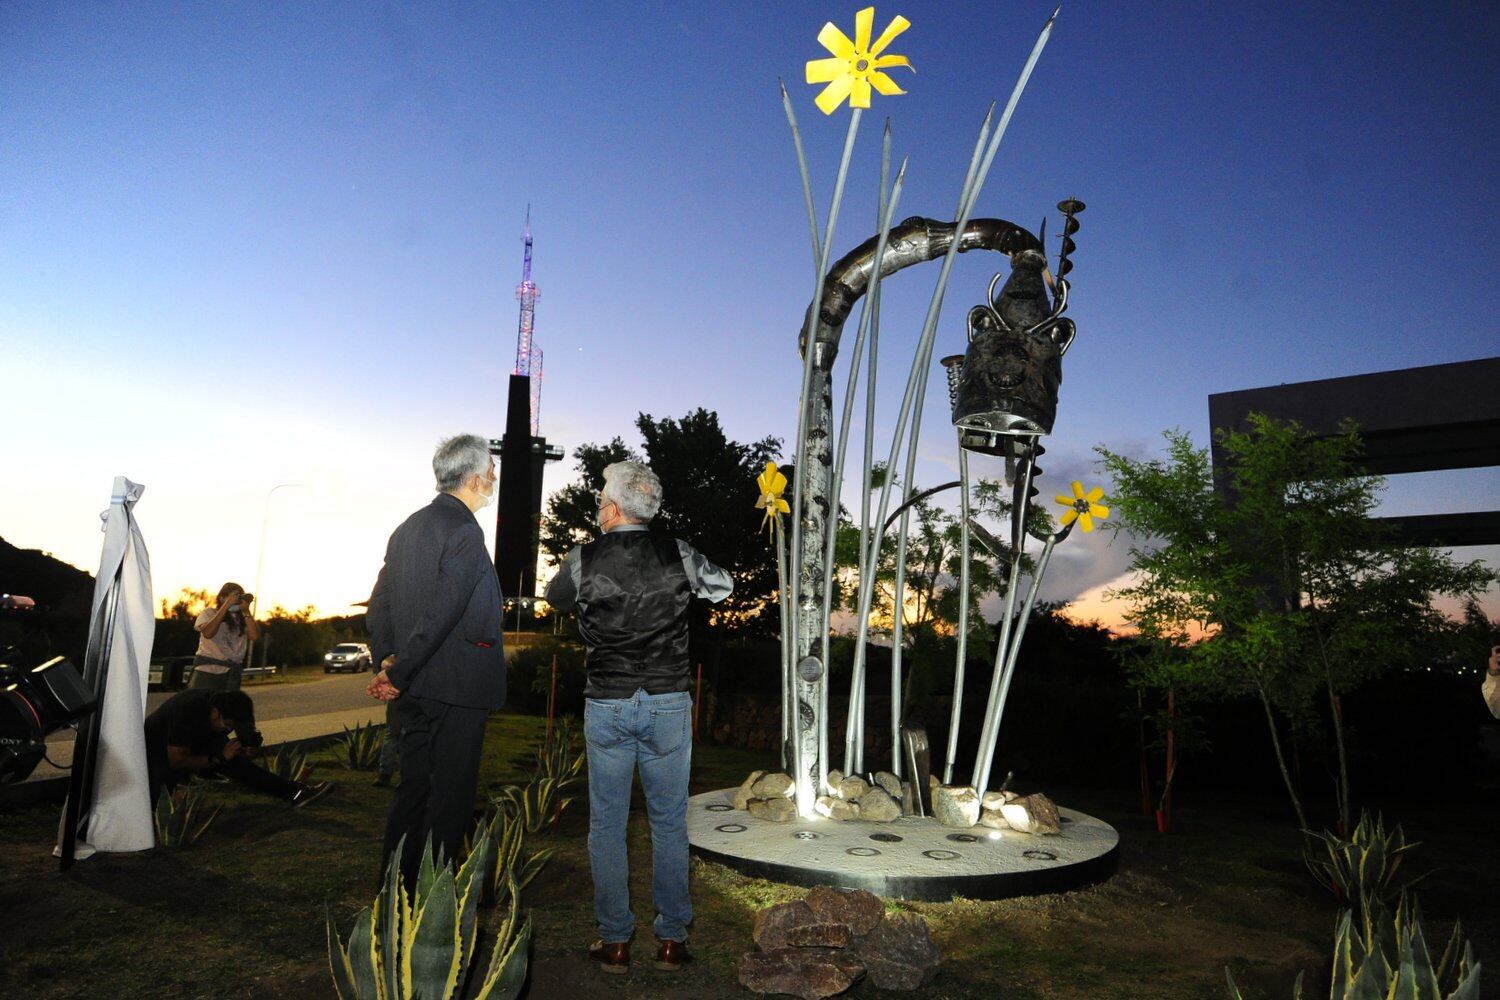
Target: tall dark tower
{"points": [[522, 453]]}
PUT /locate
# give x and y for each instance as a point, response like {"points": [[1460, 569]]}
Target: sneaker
{"points": [[311, 793]]}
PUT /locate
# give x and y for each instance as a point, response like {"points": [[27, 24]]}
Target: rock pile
{"points": [[881, 799], [817, 947], [960, 806]]}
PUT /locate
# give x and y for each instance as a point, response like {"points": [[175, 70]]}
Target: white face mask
{"points": [[489, 497]]}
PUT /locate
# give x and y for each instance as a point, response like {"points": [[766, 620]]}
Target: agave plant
{"points": [[421, 944], [1361, 869], [558, 768], [182, 817], [291, 763], [1381, 956], [510, 865], [360, 747]]}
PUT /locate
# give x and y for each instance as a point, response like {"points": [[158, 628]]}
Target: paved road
{"points": [[282, 712]]}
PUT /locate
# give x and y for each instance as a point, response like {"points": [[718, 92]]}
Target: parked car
{"points": [[347, 656]]}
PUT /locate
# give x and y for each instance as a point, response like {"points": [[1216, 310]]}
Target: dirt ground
{"points": [[241, 913]]}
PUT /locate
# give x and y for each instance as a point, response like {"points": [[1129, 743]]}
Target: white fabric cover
{"points": [[121, 816]]}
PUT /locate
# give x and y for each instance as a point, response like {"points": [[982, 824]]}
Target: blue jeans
{"points": [[653, 732]]}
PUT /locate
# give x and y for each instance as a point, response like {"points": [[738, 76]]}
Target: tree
{"points": [[709, 493], [1280, 586]]}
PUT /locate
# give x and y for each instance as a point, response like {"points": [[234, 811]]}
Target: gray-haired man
{"points": [[632, 589], [434, 620]]}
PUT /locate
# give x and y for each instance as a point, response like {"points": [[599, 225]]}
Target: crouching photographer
{"points": [[208, 733]]}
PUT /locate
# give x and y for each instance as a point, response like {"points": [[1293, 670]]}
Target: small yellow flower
{"points": [[771, 483], [1083, 507], [855, 66]]}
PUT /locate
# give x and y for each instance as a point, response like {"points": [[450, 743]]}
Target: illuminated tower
{"points": [[523, 454]]}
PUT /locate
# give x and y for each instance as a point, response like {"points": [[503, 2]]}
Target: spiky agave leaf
{"points": [[338, 962], [469, 885], [363, 962], [392, 913], [431, 961]]}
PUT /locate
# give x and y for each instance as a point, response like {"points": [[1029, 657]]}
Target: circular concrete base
{"points": [[910, 858]]}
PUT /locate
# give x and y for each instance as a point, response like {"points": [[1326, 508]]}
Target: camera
{"points": [[253, 740], [33, 703]]}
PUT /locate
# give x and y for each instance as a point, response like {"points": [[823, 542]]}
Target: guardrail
{"points": [[171, 673]]}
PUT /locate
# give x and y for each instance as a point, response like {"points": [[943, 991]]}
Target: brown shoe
{"points": [[672, 955], [612, 958]]}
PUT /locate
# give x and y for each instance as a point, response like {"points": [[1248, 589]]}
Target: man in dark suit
{"points": [[434, 620]]}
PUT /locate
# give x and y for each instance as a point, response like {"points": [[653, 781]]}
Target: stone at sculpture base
{"points": [[777, 810], [890, 783], [772, 785], [744, 795], [835, 808], [877, 806], [852, 788], [1033, 814], [955, 805]]}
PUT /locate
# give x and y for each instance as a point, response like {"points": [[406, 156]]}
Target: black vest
{"points": [[633, 600]]}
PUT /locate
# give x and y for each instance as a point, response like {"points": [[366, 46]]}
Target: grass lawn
{"points": [[240, 914]]}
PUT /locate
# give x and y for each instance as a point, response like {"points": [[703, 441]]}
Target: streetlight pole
{"points": [[260, 559]]}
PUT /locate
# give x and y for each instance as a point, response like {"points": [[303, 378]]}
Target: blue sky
{"points": [[246, 244]]}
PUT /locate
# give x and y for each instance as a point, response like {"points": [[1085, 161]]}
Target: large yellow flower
{"points": [[771, 483], [1083, 507], [855, 66]]}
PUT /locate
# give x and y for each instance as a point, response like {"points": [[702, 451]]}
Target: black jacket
{"points": [[437, 606]]}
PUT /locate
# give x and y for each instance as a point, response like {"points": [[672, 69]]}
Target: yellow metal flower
{"points": [[855, 66], [772, 483], [1083, 507]]}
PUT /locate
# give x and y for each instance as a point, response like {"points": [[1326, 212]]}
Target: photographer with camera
{"points": [[225, 632], [190, 734]]}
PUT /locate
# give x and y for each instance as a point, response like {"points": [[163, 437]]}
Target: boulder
{"points": [[1033, 814], [862, 911], [771, 786], [810, 973], [835, 808], [777, 810], [852, 788], [819, 936], [877, 806], [956, 805], [899, 953], [834, 777], [744, 795], [774, 923], [890, 783]]}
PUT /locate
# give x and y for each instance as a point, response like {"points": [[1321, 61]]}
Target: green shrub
{"points": [[421, 944], [182, 817], [359, 748], [510, 867], [1362, 869], [558, 765], [291, 763], [1382, 957]]}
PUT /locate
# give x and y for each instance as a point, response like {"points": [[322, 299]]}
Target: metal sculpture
{"points": [[1003, 398]]}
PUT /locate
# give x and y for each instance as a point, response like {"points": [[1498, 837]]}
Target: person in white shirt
{"points": [[225, 632]]}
